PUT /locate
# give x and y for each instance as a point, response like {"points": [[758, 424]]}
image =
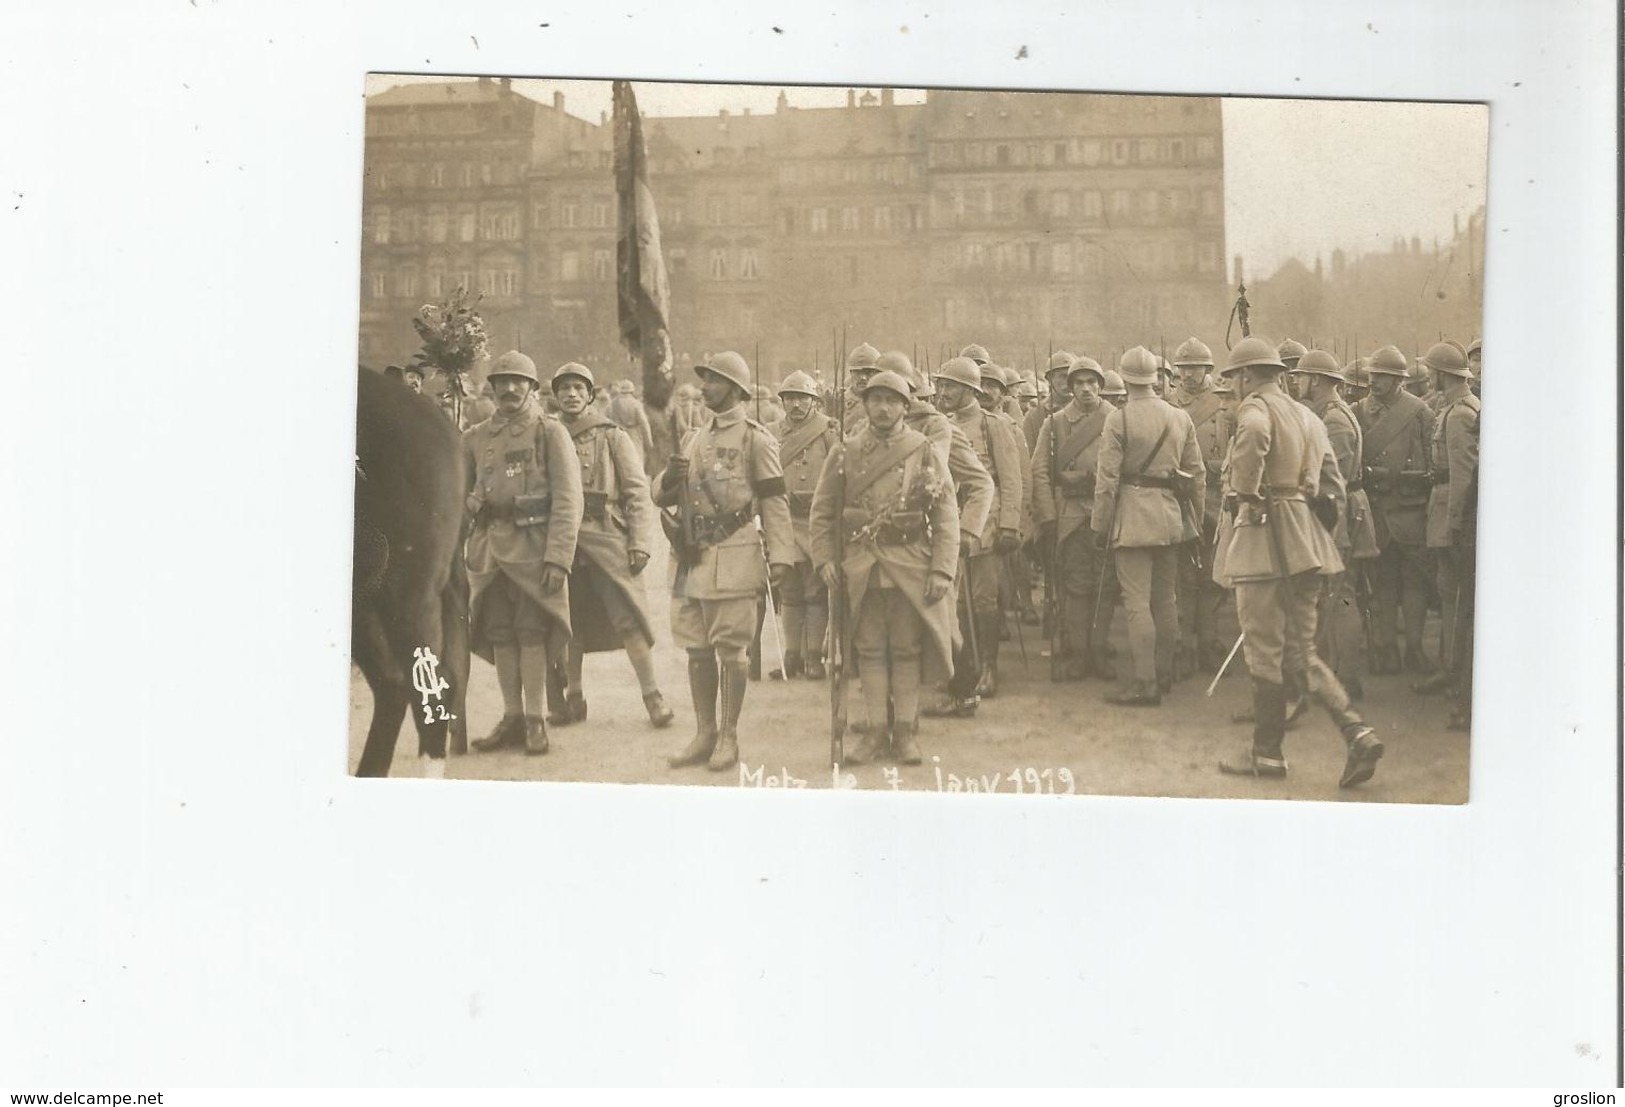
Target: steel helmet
{"points": [[1026, 389], [963, 371], [1357, 373], [895, 361], [1088, 365], [1389, 362], [1476, 346], [975, 353], [1291, 350], [1321, 364], [576, 370], [1060, 360], [515, 364], [996, 374], [801, 384], [891, 380], [862, 356], [624, 387], [1193, 351], [729, 365], [1447, 357], [1114, 384], [1138, 366], [1250, 352]]}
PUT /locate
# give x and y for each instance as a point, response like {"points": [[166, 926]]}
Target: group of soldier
{"points": [[924, 506]]}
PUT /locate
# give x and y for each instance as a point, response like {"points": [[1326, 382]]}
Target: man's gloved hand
{"points": [[553, 579], [1009, 540], [936, 587], [676, 472], [1101, 542], [637, 561], [778, 574]]}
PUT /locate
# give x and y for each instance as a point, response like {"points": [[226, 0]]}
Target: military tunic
{"points": [[526, 501], [734, 475], [1065, 460], [1397, 447], [1452, 526]]}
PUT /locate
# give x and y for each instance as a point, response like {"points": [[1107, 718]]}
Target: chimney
{"points": [[747, 112], [484, 82], [507, 85], [603, 117], [851, 97], [558, 101], [868, 100], [722, 114], [783, 103], [887, 97], [1239, 272]]}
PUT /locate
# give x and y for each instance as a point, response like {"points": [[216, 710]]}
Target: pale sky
{"points": [[1301, 176]]}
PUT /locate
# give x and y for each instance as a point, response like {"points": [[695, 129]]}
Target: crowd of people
{"points": [[1322, 509]]}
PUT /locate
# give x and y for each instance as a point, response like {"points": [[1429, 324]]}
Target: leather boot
{"points": [[951, 706], [868, 747], [814, 667], [1263, 757], [1136, 695], [510, 731], [1432, 685], [1364, 753], [731, 703], [535, 736], [906, 744], [558, 707], [792, 668], [702, 683], [987, 684], [659, 714], [1297, 695]]}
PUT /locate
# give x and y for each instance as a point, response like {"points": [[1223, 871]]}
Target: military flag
{"points": [[643, 293]]}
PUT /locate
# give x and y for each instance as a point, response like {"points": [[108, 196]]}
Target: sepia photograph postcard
{"points": [[918, 439]]}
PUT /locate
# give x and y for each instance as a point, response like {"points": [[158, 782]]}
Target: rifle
{"points": [[1052, 558], [837, 598]]}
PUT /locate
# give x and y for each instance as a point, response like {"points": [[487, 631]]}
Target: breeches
{"points": [[724, 625], [509, 617], [887, 622]]}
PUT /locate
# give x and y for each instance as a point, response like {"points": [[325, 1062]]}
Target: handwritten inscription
{"points": [[430, 684], [1021, 780]]}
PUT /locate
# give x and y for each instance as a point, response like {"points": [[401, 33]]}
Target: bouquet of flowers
{"points": [[454, 340]]}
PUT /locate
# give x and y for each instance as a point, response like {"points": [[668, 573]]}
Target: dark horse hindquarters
{"points": [[409, 587]]}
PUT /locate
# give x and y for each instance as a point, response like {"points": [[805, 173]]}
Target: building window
{"points": [[1061, 257], [1121, 201], [713, 210], [538, 216], [600, 214], [507, 282], [380, 286], [567, 214], [380, 225], [1060, 205], [1119, 151], [677, 262], [437, 283], [602, 269], [750, 209], [439, 224], [1176, 151], [1148, 149], [1148, 204], [1206, 149], [1060, 153], [820, 220], [1001, 155], [468, 176], [406, 283], [787, 174], [485, 173], [849, 219], [465, 226], [437, 176], [749, 269], [1091, 152], [1091, 205], [719, 263], [569, 265], [883, 218]]}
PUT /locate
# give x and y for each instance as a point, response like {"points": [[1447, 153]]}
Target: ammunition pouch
{"points": [[901, 528], [525, 511], [1440, 478], [595, 505], [1325, 509], [800, 504], [713, 530]]}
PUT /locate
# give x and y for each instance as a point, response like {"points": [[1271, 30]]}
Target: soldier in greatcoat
{"points": [[997, 448], [891, 494], [1060, 367], [1453, 523], [1281, 481], [861, 364], [724, 476], [805, 436], [1398, 443], [1149, 488], [607, 602], [1199, 598], [1064, 465], [525, 501]]}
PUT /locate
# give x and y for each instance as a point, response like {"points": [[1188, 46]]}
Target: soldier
{"points": [[1198, 596], [1452, 521], [412, 375], [1114, 393], [1162, 386], [1290, 351], [1148, 500], [1026, 393], [1279, 466], [525, 500], [805, 436], [1398, 437], [627, 412], [1015, 576], [1359, 380], [1339, 635], [1475, 362], [1060, 366], [959, 383], [1064, 465], [896, 503], [860, 366], [721, 478], [612, 548]]}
